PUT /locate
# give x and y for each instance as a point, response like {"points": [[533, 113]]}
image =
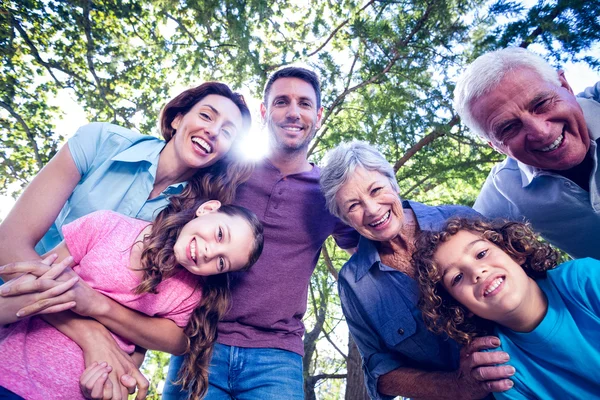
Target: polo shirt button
{"points": [[401, 331]]}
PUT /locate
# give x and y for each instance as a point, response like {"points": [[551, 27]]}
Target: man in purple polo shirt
{"points": [[259, 350]]}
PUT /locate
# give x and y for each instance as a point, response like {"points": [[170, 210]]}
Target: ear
{"points": [[563, 81], [319, 116], [176, 121], [263, 112], [494, 147], [208, 207]]}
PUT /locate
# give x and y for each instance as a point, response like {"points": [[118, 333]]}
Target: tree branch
{"points": [[30, 137]]}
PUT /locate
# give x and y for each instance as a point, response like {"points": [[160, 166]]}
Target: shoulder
{"points": [[575, 272], [508, 167], [108, 134], [433, 217]]}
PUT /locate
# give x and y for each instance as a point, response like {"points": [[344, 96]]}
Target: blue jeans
{"points": [[245, 373]]}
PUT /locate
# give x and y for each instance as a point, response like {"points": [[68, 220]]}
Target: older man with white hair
{"points": [[526, 109]]}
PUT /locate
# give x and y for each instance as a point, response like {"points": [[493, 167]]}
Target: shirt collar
{"points": [[591, 115], [148, 150]]}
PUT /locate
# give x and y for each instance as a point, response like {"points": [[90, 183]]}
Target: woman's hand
{"points": [[48, 294], [39, 276], [94, 383]]}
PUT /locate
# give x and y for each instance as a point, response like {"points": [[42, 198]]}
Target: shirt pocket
{"points": [[402, 334]]}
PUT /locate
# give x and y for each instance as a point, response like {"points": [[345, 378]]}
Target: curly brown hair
{"points": [[441, 312], [220, 180], [158, 262]]}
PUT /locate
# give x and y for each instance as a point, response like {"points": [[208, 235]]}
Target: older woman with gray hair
{"points": [[379, 293]]}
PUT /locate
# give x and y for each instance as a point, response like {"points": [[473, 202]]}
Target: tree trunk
{"points": [[355, 382]]}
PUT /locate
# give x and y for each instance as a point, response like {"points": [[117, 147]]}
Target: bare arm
{"points": [[477, 376], [37, 208]]}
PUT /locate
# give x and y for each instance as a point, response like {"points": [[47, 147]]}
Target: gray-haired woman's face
{"points": [[370, 205]]}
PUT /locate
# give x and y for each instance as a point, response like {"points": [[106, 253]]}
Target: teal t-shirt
{"points": [[560, 358]]}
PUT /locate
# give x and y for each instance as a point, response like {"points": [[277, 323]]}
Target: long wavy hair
{"points": [[441, 312], [158, 262], [220, 180]]}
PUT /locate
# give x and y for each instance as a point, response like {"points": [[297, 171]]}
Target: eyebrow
{"points": [[466, 249], [212, 108], [368, 189], [540, 97]]}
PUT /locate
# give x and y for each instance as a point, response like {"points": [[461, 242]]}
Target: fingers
{"points": [[37, 268], [92, 381], [498, 372], [37, 286], [50, 259], [482, 343], [48, 306], [498, 386], [135, 378], [487, 358], [57, 269]]}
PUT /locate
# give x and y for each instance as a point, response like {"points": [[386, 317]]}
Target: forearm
{"points": [[148, 332], [415, 383]]}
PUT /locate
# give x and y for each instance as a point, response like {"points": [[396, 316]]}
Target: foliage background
{"points": [[388, 70]]}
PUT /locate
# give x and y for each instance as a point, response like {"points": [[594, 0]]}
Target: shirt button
{"points": [[401, 331]]}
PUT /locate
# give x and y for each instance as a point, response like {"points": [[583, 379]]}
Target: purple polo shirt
{"points": [[269, 301]]}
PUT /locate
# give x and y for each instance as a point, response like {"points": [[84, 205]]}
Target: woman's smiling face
{"points": [[370, 205]]}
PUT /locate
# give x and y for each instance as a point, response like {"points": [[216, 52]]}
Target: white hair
{"points": [[486, 72], [343, 161]]}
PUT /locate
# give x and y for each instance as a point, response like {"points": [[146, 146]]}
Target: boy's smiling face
{"points": [[482, 277]]}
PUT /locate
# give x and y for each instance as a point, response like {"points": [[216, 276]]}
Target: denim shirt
{"points": [[566, 215], [380, 306]]}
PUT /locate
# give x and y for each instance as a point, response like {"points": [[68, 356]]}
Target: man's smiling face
{"points": [[534, 121], [291, 114]]}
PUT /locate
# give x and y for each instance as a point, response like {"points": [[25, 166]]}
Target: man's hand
{"points": [[123, 377], [479, 373]]}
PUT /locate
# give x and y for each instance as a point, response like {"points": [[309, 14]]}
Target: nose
{"points": [[212, 130], [479, 274], [537, 127], [371, 207], [292, 112]]}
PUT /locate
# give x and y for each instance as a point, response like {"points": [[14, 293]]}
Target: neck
{"points": [[289, 163], [580, 174], [169, 170], [397, 252], [531, 312]]}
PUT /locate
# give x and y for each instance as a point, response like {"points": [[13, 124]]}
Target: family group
{"points": [[125, 242]]}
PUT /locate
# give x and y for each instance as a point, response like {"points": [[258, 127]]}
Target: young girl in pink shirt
{"points": [[150, 268]]}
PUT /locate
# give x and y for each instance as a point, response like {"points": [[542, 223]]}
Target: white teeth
{"points": [[381, 220], [554, 144], [193, 249], [292, 128], [493, 286], [202, 143]]}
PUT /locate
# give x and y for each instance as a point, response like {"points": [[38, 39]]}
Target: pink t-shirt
{"points": [[39, 362]]}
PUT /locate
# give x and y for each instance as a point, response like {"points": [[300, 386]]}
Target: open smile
{"points": [[193, 255], [202, 145], [292, 128], [494, 286], [554, 145], [381, 220]]}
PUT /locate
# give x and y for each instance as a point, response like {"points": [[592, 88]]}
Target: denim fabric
{"points": [[246, 374], [6, 394]]}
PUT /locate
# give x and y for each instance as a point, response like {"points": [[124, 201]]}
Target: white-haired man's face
{"points": [[534, 121]]}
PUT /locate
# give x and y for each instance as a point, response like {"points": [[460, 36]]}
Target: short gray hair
{"points": [[486, 72], [343, 161]]}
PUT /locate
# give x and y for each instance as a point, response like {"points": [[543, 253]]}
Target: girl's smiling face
{"points": [[486, 280], [214, 242]]}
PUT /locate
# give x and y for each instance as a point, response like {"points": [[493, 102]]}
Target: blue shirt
{"points": [[117, 168], [560, 358], [562, 212], [380, 306]]}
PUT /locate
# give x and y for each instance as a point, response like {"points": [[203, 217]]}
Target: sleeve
{"points": [[491, 203], [376, 361], [581, 280], [85, 144], [592, 92], [345, 236], [189, 292], [82, 234], [512, 394]]}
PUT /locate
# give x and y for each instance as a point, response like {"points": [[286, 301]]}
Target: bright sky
{"points": [[579, 76]]}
